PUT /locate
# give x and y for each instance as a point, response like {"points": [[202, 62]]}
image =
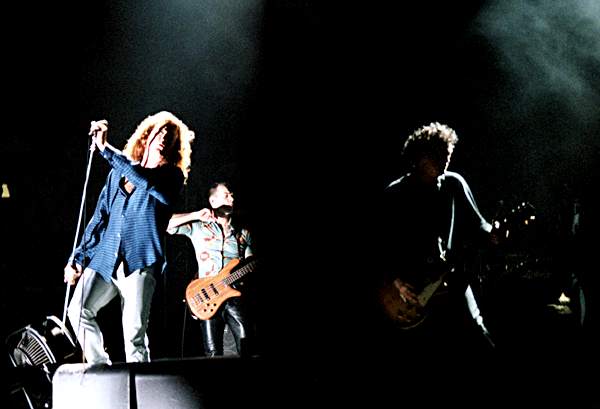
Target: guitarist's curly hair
{"points": [[434, 140]]}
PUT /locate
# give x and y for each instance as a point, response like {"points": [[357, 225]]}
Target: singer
{"points": [[217, 242], [121, 251]]}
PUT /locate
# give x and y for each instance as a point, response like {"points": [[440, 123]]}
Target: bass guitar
{"points": [[204, 296]]}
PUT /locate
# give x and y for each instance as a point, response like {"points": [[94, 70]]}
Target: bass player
{"points": [[216, 243]]}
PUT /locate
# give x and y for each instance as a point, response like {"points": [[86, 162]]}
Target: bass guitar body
{"points": [[204, 296]]}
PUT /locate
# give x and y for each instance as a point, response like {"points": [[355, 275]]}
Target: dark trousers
{"points": [[234, 314]]}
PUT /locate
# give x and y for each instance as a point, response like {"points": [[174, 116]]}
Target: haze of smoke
{"points": [[552, 47]]}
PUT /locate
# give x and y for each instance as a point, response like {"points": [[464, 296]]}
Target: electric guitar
{"points": [[204, 296], [406, 314], [431, 282]]}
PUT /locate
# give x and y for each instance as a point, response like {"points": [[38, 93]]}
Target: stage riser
{"points": [[177, 384]]}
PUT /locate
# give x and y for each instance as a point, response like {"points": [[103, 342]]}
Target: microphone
{"points": [[95, 127], [223, 211]]}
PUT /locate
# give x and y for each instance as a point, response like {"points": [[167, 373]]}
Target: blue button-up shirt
{"points": [[130, 227]]}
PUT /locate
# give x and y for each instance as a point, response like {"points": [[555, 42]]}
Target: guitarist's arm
{"points": [[179, 219], [475, 219]]}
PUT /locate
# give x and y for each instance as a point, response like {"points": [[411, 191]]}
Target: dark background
{"points": [[303, 106]]}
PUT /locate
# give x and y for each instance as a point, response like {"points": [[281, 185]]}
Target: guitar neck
{"points": [[429, 290], [239, 273]]}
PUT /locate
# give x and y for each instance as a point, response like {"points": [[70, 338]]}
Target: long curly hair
{"points": [[435, 140], [180, 155]]}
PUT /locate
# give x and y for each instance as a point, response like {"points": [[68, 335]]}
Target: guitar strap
{"points": [[238, 234], [451, 232], [442, 250]]}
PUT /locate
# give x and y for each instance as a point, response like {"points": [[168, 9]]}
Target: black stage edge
{"points": [[337, 380]]}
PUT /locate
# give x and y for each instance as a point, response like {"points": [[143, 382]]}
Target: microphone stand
{"points": [[81, 210]]}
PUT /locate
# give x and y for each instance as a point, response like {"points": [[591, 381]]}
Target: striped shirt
{"points": [[130, 227]]}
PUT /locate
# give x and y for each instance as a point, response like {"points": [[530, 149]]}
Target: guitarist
{"points": [[431, 219], [216, 242]]}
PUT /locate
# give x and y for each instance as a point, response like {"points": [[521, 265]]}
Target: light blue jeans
{"points": [[92, 293]]}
